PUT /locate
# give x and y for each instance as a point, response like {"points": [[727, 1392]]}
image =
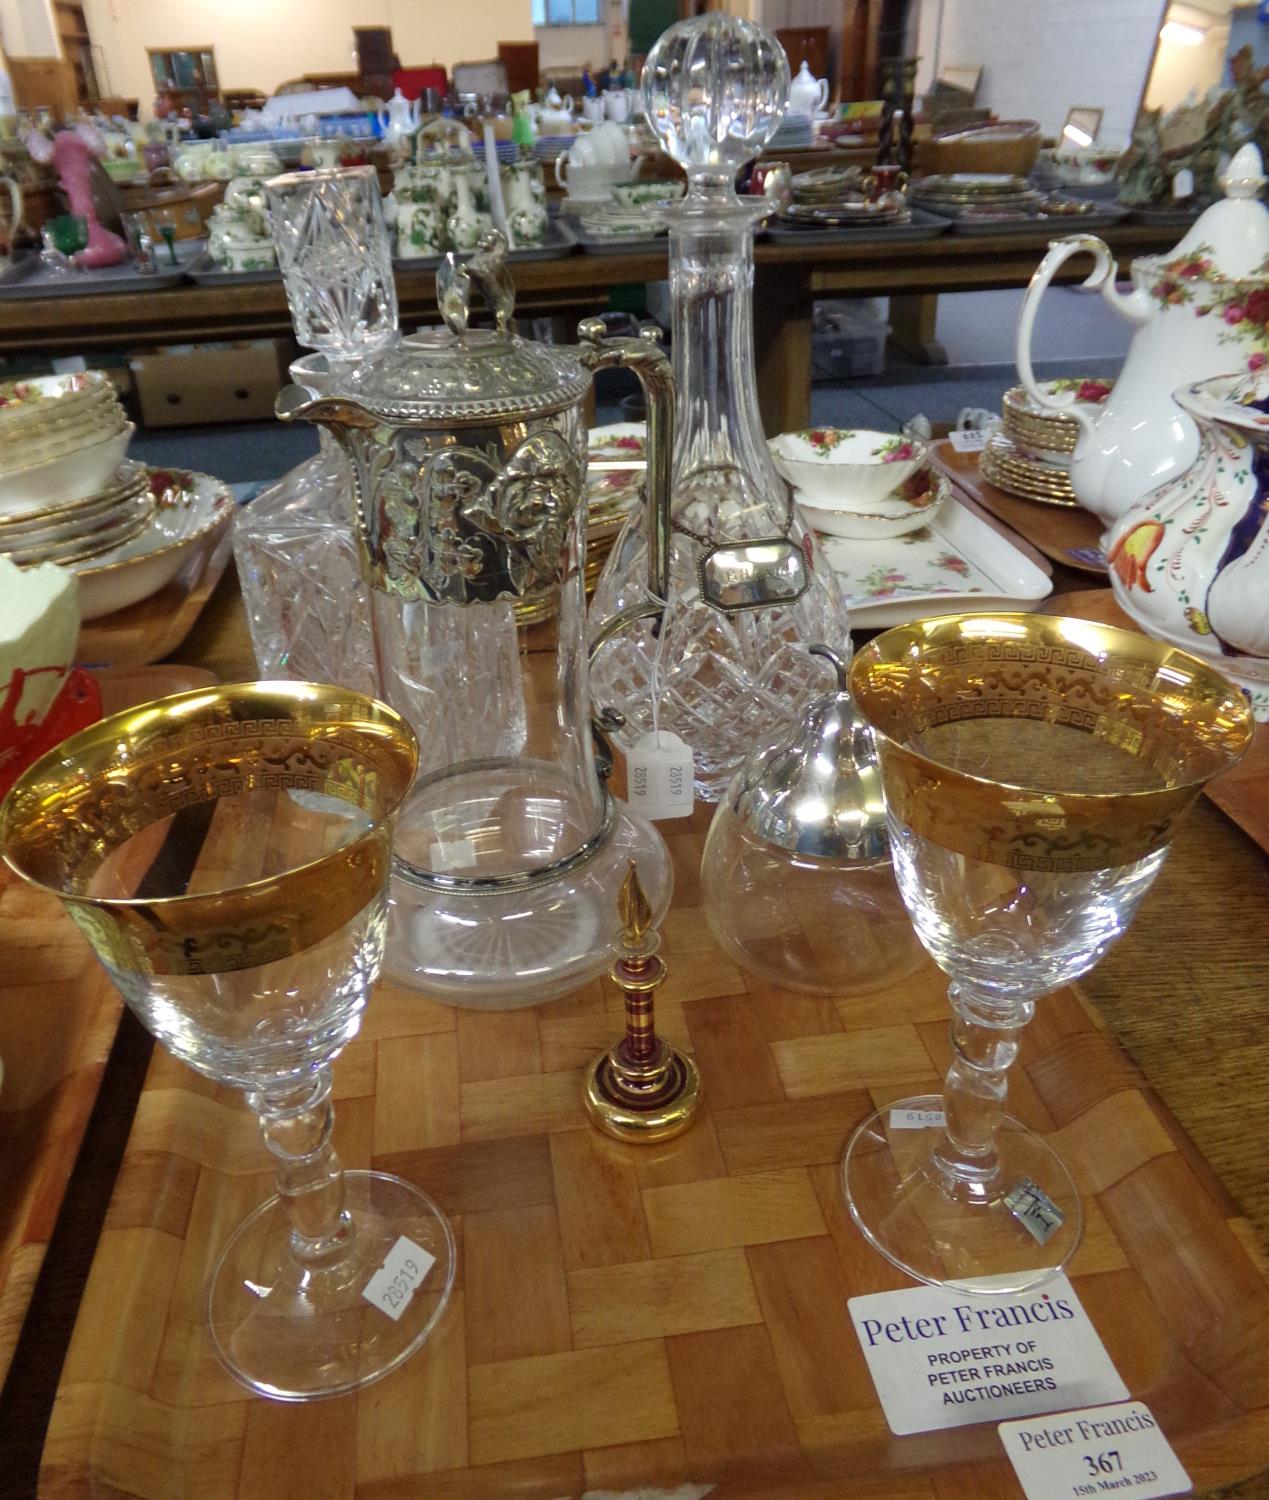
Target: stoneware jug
{"points": [[1189, 563], [1201, 310]]}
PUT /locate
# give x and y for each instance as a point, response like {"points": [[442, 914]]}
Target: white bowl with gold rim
{"points": [[846, 467], [186, 513], [908, 508], [65, 477]]}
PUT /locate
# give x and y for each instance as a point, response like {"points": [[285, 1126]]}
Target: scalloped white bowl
{"points": [[848, 467]]}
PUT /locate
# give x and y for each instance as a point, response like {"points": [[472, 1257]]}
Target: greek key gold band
{"points": [[1181, 720]]}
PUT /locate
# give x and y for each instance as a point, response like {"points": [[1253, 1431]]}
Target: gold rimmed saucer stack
{"points": [[1018, 472], [827, 184], [837, 198], [953, 194], [62, 437], [84, 528], [1043, 432], [1030, 455]]}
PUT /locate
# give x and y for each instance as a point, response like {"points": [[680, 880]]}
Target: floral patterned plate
{"points": [[957, 562], [614, 474], [188, 507]]}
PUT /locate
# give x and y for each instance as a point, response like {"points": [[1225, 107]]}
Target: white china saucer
{"points": [[188, 507]]}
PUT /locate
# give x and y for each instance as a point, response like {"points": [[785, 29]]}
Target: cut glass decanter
{"points": [[749, 589], [294, 544]]}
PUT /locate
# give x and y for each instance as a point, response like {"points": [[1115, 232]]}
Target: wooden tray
{"points": [[57, 1020], [1241, 794], [629, 1317], [1068, 534], [153, 628]]}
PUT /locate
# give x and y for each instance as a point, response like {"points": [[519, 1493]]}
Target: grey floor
{"points": [[1075, 335]]}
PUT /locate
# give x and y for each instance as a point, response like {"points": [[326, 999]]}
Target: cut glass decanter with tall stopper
{"points": [[749, 588]]}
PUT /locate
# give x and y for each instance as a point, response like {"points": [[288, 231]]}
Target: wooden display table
{"points": [[630, 1317], [788, 279], [627, 1317]]}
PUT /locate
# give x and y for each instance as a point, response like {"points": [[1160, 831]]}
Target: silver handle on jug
{"points": [[654, 373]]}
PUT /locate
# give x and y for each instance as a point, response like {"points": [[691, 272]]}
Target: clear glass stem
{"points": [[296, 1125], [984, 1030]]}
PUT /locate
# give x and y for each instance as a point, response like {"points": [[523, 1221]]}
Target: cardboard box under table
{"points": [[190, 384]]}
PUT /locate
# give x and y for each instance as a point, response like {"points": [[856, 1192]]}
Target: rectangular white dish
{"points": [[956, 563]]}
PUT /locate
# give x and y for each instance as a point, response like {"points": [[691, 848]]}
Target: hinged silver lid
{"points": [[817, 791], [454, 375]]}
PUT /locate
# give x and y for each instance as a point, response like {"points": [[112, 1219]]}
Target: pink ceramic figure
{"points": [[72, 152]]}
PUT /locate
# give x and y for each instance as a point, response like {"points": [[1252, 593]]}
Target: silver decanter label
{"points": [[754, 575]]}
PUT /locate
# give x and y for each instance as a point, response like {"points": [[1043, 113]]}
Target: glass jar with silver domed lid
{"points": [[796, 878], [749, 589], [468, 454]]}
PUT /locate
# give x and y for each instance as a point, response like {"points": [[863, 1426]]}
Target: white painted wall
{"points": [[262, 43], [1039, 58], [570, 48], [27, 28]]}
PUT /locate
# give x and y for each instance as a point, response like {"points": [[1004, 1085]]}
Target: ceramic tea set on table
{"points": [[238, 237], [1174, 457], [442, 199]]}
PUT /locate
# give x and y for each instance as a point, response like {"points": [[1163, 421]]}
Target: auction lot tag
{"points": [[916, 1119], [949, 1359], [399, 1277], [659, 775], [1102, 1450], [969, 439]]}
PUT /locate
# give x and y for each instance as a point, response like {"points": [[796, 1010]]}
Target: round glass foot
{"points": [[898, 1199], [485, 950], [298, 1332]]}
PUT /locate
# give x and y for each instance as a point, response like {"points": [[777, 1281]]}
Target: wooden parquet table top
{"points": [[57, 1022], [628, 1316]]}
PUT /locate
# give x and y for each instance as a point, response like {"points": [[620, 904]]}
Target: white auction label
{"points": [[916, 1119], [1102, 1450], [659, 775], [399, 1277], [969, 439], [940, 1358]]}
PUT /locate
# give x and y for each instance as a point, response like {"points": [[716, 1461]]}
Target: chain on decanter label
{"points": [[759, 573], [660, 773]]}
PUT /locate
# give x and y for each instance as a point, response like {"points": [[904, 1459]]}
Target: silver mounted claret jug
{"points": [[468, 453]]}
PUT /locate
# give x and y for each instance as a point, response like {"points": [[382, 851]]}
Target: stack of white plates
{"points": [[793, 131], [189, 511], [613, 221], [62, 437], [548, 147], [83, 528]]}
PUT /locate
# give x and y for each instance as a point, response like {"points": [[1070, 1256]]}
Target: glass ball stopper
{"points": [[714, 90]]}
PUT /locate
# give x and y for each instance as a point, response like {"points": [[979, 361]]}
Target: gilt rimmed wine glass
{"points": [[1035, 771], [226, 852]]}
